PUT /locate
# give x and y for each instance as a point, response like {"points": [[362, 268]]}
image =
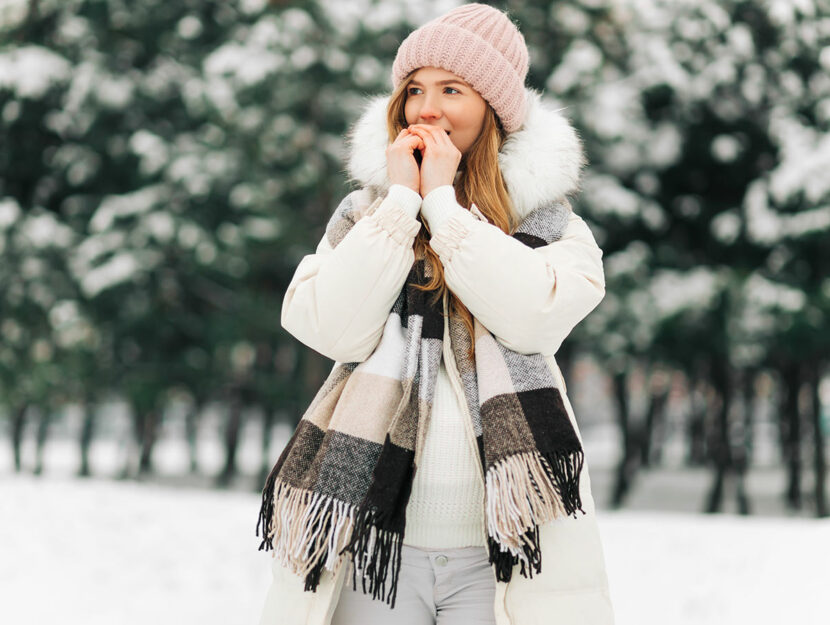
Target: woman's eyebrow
{"points": [[442, 82]]}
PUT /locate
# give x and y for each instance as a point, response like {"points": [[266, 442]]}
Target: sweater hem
{"points": [[445, 536]]}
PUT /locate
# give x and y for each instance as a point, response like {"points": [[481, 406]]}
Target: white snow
{"points": [[674, 291], [189, 27], [725, 148], [12, 12], [726, 226], [119, 268], [380, 16], [151, 149], [609, 197], [249, 65], [42, 230], [115, 92], [114, 207], [31, 70], [9, 212], [768, 226], [98, 552], [763, 293], [580, 61]]}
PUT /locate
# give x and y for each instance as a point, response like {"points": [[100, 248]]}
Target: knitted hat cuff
{"points": [[470, 57]]}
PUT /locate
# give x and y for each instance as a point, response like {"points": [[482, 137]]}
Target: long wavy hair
{"points": [[480, 181]]}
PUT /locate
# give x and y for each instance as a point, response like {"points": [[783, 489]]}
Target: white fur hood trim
{"points": [[541, 162]]}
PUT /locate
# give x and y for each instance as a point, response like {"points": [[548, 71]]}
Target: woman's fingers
{"points": [[436, 132], [435, 139], [426, 135], [403, 136], [437, 136], [409, 139]]}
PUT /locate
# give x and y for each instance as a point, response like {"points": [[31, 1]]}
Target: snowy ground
{"points": [[99, 552], [109, 552]]}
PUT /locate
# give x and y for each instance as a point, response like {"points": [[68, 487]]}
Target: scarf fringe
{"points": [[266, 510], [313, 532], [373, 549], [310, 529], [550, 481], [302, 521], [530, 560]]}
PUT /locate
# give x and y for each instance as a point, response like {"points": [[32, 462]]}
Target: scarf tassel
{"points": [[550, 481], [309, 528], [266, 511], [310, 517], [530, 561], [373, 550], [564, 470]]}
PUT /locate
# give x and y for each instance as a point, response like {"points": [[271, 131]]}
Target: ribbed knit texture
{"points": [[483, 46], [446, 507]]}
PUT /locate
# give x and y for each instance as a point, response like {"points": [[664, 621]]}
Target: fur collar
{"points": [[541, 162]]}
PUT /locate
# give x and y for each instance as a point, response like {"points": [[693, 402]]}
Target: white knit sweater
{"points": [[445, 508]]}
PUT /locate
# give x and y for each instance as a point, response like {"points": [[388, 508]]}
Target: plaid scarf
{"points": [[342, 483]]}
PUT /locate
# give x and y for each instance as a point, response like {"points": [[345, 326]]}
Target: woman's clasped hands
{"points": [[439, 163]]}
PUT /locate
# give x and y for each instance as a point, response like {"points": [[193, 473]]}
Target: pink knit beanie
{"points": [[480, 44]]}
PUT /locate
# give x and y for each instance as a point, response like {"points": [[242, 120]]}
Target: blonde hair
{"points": [[480, 181]]}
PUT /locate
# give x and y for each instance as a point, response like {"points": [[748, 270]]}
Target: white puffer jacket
{"points": [[541, 294]]}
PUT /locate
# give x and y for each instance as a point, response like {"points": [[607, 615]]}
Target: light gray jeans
{"points": [[435, 587]]}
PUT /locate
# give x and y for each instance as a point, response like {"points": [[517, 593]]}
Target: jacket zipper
{"points": [[455, 379]]}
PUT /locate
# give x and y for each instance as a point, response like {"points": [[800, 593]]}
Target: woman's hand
{"points": [[441, 157], [400, 160]]}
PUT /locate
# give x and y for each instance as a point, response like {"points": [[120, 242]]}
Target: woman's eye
{"points": [[415, 90]]}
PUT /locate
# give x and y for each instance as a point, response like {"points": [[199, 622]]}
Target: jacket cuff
{"points": [[406, 198], [439, 205], [390, 216]]}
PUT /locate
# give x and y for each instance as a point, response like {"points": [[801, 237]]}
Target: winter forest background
{"points": [[164, 166]]}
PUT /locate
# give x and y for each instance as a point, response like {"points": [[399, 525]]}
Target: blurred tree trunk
{"points": [[32, 15], [232, 428], [632, 441], [791, 429], [819, 461], [721, 450], [45, 417], [148, 433], [18, 425], [750, 397], [698, 406], [191, 426], [268, 420], [312, 369], [87, 435], [565, 360], [655, 418], [743, 440]]}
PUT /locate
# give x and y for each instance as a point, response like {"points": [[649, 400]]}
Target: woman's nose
{"points": [[430, 109]]}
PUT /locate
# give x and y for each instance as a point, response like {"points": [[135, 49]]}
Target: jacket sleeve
{"points": [[339, 298], [529, 298]]}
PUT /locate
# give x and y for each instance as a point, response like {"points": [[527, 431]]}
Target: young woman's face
{"points": [[440, 98]]}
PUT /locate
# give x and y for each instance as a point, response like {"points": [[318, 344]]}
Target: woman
{"points": [[438, 475]]}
